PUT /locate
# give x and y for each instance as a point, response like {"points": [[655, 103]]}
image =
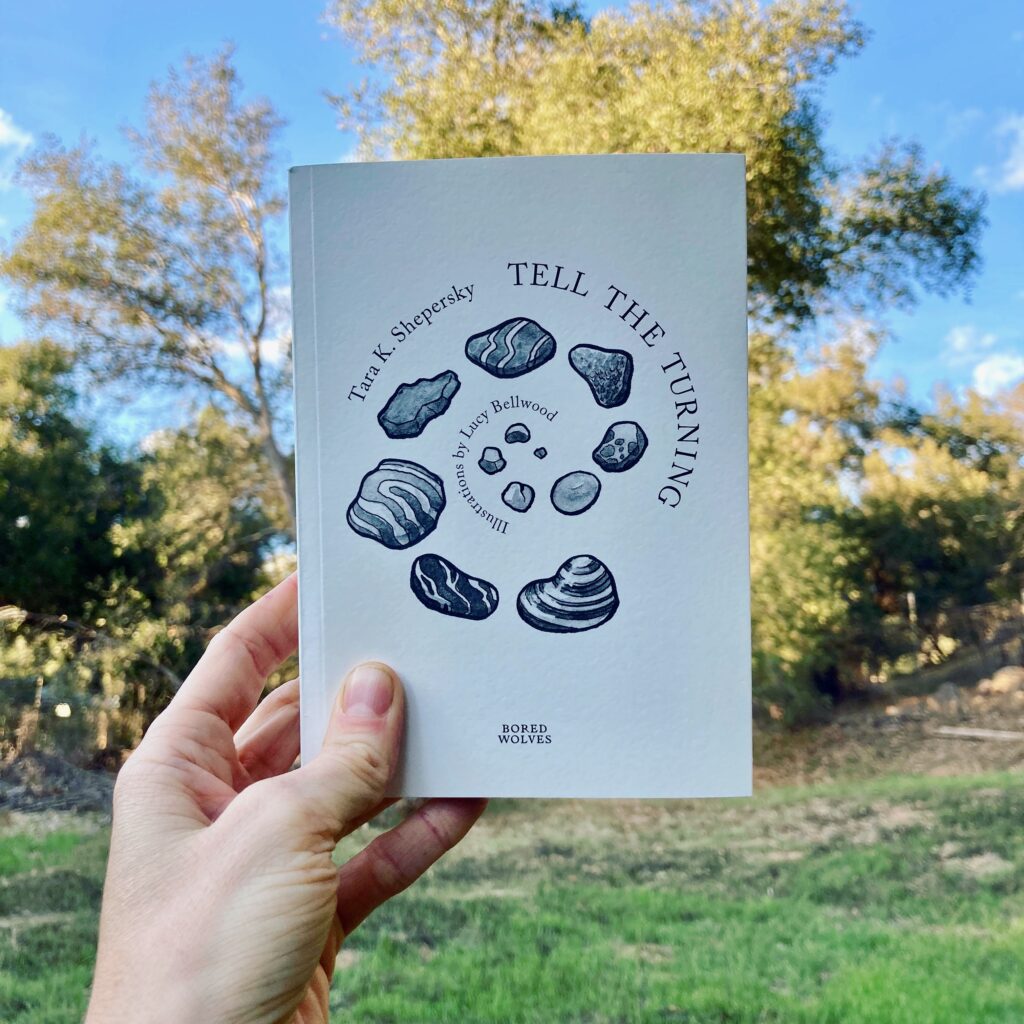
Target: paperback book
{"points": [[521, 448]]}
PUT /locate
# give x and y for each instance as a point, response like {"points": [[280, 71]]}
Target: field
{"points": [[896, 899]]}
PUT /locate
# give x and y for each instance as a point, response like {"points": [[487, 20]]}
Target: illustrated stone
{"points": [[511, 348], [444, 587], [491, 460], [518, 496], [580, 596], [621, 447], [518, 433], [541, 453], [414, 405], [608, 371], [398, 503], [575, 492]]}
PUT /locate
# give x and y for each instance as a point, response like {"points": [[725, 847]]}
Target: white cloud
{"points": [[13, 142], [277, 338], [274, 349], [278, 342], [997, 372], [11, 134], [973, 351], [965, 343], [959, 122], [1011, 171], [956, 121], [155, 440]]}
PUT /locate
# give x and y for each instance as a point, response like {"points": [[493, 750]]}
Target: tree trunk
{"points": [[28, 723], [281, 467]]}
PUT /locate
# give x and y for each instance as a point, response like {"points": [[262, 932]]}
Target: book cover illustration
{"points": [[400, 502]]}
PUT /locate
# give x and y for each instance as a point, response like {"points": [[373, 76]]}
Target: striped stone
{"points": [[580, 596], [398, 503], [445, 588], [511, 348]]}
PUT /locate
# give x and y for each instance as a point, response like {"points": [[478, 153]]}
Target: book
{"points": [[521, 452]]}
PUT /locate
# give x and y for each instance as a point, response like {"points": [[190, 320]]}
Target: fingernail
{"points": [[368, 692]]}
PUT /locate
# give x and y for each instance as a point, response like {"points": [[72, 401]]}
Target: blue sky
{"points": [[953, 83]]}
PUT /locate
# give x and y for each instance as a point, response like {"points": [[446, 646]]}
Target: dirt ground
{"points": [[38, 782], [900, 738]]}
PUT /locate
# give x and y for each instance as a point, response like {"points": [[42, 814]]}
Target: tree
{"points": [[116, 568], [214, 529], [62, 497], [810, 422], [164, 272], [61, 493], [495, 77], [940, 503]]}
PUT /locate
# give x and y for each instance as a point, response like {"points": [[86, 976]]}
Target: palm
{"points": [[315, 1005]]}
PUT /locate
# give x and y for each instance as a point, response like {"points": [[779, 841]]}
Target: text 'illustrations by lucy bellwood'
{"points": [[400, 501]]}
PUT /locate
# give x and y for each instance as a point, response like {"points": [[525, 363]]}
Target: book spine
{"points": [[306, 399]]}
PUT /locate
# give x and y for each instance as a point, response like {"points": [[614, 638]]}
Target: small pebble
{"points": [[518, 433], [491, 460], [575, 492], [518, 497], [541, 453]]}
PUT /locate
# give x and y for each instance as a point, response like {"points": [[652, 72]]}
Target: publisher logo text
{"points": [[524, 733]]}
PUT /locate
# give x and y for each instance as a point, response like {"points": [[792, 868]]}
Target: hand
{"points": [[222, 903]]}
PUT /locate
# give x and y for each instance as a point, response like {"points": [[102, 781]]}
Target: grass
{"points": [[50, 885], [897, 900]]}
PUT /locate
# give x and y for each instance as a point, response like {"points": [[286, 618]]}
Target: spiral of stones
{"points": [[400, 501]]}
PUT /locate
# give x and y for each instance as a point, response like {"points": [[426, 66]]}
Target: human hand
{"points": [[221, 902]]}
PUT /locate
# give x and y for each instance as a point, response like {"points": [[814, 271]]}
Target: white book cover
{"points": [[521, 446]]}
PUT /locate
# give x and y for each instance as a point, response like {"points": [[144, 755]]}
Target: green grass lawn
{"points": [[896, 900]]}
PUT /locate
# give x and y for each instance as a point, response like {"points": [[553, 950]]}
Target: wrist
{"points": [[123, 1003]]}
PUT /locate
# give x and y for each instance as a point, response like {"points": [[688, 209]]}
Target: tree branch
{"points": [[61, 623]]}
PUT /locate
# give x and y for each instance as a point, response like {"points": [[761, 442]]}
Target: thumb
{"points": [[359, 755]]}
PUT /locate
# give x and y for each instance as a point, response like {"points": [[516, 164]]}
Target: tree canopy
{"points": [[498, 77], [116, 567], [61, 494], [163, 272]]}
